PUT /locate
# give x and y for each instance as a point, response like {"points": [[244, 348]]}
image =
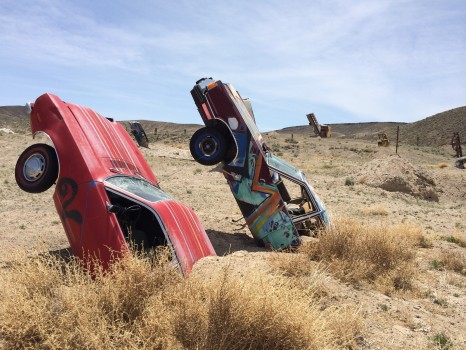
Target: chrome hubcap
{"points": [[34, 167], [208, 146]]}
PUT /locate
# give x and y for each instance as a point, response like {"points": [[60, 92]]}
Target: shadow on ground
{"points": [[65, 254], [226, 243]]}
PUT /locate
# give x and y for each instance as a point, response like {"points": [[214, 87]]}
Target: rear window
{"points": [[138, 187]]}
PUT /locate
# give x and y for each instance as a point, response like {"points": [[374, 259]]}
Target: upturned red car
{"points": [[106, 194]]}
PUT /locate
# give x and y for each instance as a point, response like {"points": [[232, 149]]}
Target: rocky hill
{"points": [[436, 130], [365, 131], [15, 118]]}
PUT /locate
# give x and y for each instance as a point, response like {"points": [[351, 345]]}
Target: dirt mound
{"points": [[396, 174]]}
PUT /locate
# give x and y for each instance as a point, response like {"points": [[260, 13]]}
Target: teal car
{"points": [[277, 202]]}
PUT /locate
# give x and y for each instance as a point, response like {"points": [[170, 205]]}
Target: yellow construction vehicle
{"points": [[383, 140]]}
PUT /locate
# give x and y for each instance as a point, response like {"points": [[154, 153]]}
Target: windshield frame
{"points": [[144, 189]]}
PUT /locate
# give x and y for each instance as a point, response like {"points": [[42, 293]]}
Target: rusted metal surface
{"points": [[106, 195], [139, 134], [382, 140], [276, 217], [321, 130]]}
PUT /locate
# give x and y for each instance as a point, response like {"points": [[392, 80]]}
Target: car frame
{"points": [[255, 175], [106, 195]]}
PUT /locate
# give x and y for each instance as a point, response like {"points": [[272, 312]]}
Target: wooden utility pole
{"points": [[397, 135]]}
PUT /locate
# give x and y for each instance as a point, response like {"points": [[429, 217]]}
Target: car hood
{"points": [[187, 235]]}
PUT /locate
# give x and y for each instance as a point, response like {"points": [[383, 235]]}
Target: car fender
{"points": [[186, 233]]}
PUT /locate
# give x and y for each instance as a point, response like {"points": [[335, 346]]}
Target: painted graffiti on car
{"points": [[277, 202]]}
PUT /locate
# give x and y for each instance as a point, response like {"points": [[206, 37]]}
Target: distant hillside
{"points": [[436, 130], [367, 131], [163, 127], [15, 118]]}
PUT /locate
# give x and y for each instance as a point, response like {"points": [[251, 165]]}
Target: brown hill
{"points": [[160, 128], [366, 131], [15, 118], [436, 130]]}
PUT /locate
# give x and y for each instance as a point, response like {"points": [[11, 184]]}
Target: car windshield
{"points": [[138, 187], [279, 164]]}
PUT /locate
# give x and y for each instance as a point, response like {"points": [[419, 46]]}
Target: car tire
{"points": [[208, 146], [37, 168]]}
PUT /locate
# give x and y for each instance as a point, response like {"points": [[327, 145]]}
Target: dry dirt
{"points": [[354, 178]]}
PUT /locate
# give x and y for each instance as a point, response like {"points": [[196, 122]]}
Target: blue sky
{"points": [[346, 61]]}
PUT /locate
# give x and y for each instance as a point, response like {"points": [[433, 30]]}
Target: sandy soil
{"points": [[331, 165]]}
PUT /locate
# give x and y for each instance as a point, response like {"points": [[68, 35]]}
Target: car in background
{"points": [[106, 195], [139, 134], [277, 202]]}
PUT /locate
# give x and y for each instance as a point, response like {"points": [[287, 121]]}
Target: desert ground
{"points": [[356, 179]]}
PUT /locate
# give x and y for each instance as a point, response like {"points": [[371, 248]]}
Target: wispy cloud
{"points": [[346, 61]]}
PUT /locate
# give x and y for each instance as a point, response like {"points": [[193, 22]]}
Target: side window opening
{"points": [[298, 204], [139, 225]]}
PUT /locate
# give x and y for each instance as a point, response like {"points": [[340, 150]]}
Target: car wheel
{"points": [[208, 146], [37, 168]]}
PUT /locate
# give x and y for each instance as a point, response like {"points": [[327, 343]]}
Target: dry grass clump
{"points": [[453, 260], [49, 304], [455, 238], [376, 210], [259, 312], [442, 165], [308, 276], [375, 253]]}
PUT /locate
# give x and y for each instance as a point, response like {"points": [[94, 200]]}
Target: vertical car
{"points": [[106, 194], [277, 202]]}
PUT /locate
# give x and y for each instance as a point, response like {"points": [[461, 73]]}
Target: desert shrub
{"points": [[50, 304], [374, 253], [442, 341], [138, 304], [455, 238], [233, 312], [310, 277], [349, 181], [376, 210], [436, 264], [453, 260]]}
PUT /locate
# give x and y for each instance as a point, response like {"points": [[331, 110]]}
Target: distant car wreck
{"points": [[106, 195], [321, 130], [276, 213], [139, 134]]}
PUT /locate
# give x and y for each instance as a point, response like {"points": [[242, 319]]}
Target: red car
{"points": [[106, 194]]}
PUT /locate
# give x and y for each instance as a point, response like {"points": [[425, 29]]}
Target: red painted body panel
{"points": [[187, 235], [91, 148]]}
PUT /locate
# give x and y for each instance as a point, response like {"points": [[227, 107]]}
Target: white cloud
{"points": [[366, 60]]}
